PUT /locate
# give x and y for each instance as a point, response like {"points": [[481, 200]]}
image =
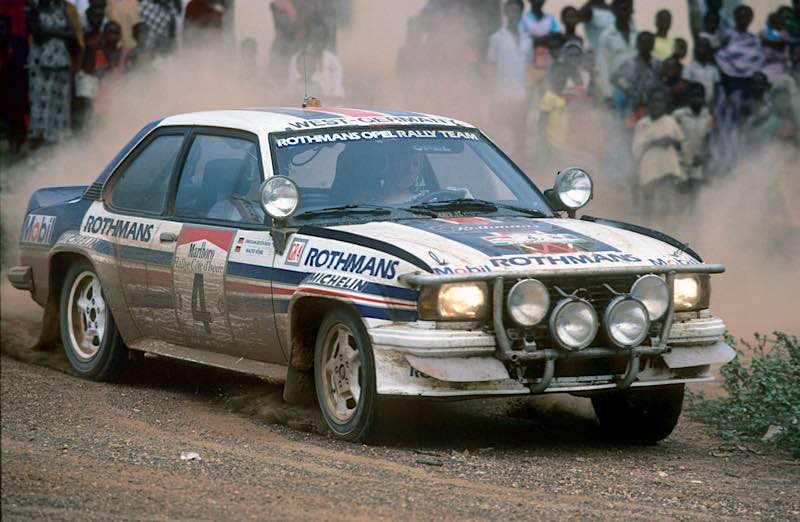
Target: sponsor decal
{"points": [[672, 261], [511, 235], [334, 137], [582, 259], [350, 262], [202, 250], [38, 229], [295, 252], [466, 269], [120, 228], [372, 120], [337, 281]]}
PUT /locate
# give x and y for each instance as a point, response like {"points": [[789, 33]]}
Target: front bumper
{"points": [[410, 360]]}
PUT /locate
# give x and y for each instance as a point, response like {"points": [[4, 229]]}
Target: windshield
{"points": [[399, 172]]}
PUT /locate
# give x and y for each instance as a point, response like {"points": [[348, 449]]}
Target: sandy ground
{"points": [[73, 449]]}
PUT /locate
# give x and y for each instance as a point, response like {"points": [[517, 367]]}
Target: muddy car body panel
{"points": [[248, 295]]}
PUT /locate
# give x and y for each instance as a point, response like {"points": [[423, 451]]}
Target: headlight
{"points": [[453, 302], [652, 291], [691, 292], [528, 302], [626, 322], [573, 323]]}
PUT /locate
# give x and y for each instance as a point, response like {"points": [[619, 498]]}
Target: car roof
{"points": [[281, 119]]}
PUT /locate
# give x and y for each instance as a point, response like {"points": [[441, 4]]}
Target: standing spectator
{"points": [[85, 80], [571, 18], [126, 14], [108, 66], [710, 30], [140, 55], [616, 45], [703, 69], [13, 84], [672, 79], [553, 118], [791, 19], [680, 49], [202, 16], [657, 142], [161, 18], [596, 16], [695, 122], [634, 79], [775, 43], [741, 54], [538, 26], [319, 65], [509, 55], [664, 44], [286, 23], [55, 27]]}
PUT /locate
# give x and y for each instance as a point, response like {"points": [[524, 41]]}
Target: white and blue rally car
{"points": [[360, 254]]}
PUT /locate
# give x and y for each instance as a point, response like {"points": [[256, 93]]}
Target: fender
{"points": [[649, 232]]}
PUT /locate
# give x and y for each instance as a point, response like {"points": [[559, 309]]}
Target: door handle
{"points": [[167, 237]]}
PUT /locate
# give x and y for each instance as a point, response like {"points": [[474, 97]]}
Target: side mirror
{"points": [[572, 190], [280, 197]]}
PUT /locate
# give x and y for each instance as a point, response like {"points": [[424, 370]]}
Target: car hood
{"points": [[480, 244]]}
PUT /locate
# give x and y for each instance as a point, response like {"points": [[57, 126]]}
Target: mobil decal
{"points": [[119, 228], [38, 229], [511, 235], [202, 250], [670, 261]]}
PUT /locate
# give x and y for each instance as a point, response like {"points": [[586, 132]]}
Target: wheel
{"points": [[344, 376], [640, 416], [88, 332]]}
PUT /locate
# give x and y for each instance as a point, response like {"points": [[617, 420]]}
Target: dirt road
{"points": [[73, 449]]}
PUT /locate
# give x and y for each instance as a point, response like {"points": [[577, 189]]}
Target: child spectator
{"points": [[538, 25], [108, 66], [636, 77], [775, 43], [671, 77], [85, 81], [657, 142], [616, 45], [703, 69], [741, 54], [695, 122], [596, 16], [553, 119], [664, 44], [508, 56], [570, 18], [140, 55], [680, 49], [710, 29]]}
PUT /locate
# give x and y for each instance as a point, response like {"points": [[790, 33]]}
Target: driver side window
{"points": [[220, 180]]}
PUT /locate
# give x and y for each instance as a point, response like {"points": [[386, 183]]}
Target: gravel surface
{"points": [[73, 449]]}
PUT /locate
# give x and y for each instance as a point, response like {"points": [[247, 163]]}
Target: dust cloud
{"points": [[734, 224]]}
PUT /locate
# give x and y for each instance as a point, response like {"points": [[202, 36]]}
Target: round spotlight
{"points": [[573, 323], [528, 302], [574, 187], [626, 322], [280, 197], [652, 291]]}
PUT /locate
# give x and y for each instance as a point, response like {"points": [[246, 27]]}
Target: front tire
{"points": [[90, 337], [344, 376], [640, 416]]}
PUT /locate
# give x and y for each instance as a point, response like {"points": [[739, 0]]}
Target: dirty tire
{"points": [[639, 416], [344, 376], [90, 337]]}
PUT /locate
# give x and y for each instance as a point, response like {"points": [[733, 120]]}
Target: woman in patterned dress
{"points": [[54, 27]]}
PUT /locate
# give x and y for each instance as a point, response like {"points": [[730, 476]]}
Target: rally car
{"points": [[359, 254]]}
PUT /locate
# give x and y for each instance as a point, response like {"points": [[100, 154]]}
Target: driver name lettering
{"points": [[353, 263], [333, 137]]}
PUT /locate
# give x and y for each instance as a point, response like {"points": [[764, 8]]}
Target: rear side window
{"points": [[144, 182]]}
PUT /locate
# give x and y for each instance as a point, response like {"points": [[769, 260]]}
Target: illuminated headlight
{"points": [[652, 291], [691, 292], [573, 323], [528, 302], [626, 322], [453, 302]]}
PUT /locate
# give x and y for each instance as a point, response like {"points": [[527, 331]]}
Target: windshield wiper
{"points": [[344, 210], [475, 204]]}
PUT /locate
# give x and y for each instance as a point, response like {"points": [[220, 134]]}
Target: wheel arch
{"points": [[57, 267]]}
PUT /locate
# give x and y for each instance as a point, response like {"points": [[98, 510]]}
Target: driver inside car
{"points": [[402, 180]]}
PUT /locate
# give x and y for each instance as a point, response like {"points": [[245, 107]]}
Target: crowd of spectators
{"points": [[665, 121]]}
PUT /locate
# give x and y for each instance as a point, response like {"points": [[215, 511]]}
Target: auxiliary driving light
{"points": [[528, 302], [652, 291], [573, 323], [626, 322]]}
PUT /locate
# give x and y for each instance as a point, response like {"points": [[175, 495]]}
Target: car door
{"points": [[132, 218], [223, 228]]}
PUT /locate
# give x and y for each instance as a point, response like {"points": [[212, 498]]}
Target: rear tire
{"points": [[639, 416], [344, 376], [90, 337]]}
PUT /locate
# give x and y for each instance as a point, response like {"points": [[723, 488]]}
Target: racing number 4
{"points": [[199, 310]]}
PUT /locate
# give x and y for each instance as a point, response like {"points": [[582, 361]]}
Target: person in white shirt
{"points": [[616, 46], [508, 56], [596, 16], [315, 70], [695, 122], [537, 26], [703, 69]]}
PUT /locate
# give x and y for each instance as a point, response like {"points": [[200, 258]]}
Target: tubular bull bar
{"points": [[548, 355]]}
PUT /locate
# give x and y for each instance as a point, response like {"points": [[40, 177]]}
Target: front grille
{"points": [[594, 290]]}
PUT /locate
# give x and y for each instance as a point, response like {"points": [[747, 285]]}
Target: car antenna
{"points": [[308, 101]]}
